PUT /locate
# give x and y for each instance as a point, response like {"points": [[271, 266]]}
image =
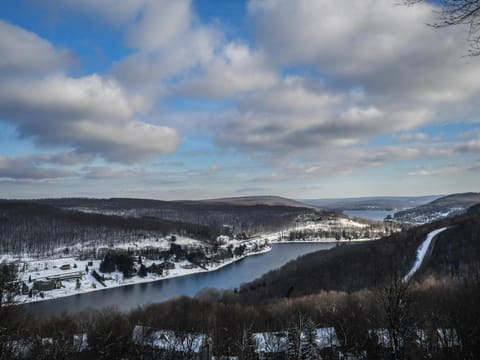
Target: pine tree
{"points": [[143, 271]]}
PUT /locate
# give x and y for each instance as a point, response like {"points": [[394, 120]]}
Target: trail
{"points": [[421, 252]]}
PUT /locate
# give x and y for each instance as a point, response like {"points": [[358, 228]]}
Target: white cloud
{"points": [[27, 168], [235, 69], [376, 69], [91, 114], [24, 52]]}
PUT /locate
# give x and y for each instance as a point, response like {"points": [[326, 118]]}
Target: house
{"points": [[69, 276], [326, 338], [167, 265], [270, 345], [155, 269], [46, 285], [274, 345], [192, 346]]}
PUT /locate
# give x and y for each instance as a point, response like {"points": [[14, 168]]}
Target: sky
{"points": [[196, 99]]}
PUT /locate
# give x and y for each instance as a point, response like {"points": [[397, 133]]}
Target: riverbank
{"points": [[87, 283]]}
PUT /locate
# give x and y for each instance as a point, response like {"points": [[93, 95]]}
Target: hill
{"points": [[372, 203], [257, 200], [443, 207], [249, 214], [43, 225], [353, 267]]}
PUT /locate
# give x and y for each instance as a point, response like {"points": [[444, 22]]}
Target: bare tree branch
{"points": [[459, 12]]}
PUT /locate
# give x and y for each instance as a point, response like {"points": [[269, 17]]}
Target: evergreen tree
{"points": [[143, 271]]}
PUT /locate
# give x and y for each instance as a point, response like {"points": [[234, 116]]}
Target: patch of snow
{"points": [[421, 252]]}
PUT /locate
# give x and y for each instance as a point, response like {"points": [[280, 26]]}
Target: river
{"points": [[228, 277]]}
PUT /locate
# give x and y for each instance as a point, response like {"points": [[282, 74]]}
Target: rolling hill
{"points": [[443, 207]]}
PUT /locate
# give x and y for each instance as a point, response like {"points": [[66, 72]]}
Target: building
{"points": [[326, 338], [271, 345], [274, 345], [46, 285], [175, 344]]}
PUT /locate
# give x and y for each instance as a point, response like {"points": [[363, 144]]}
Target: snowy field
{"points": [[76, 275], [31, 270]]}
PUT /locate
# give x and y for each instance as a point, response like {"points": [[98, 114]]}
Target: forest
{"points": [[40, 227], [357, 290]]}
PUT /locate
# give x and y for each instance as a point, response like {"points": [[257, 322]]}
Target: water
{"points": [[378, 215], [228, 277]]}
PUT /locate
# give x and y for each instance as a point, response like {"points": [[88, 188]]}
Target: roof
{"points": [[168, 339], [270, 342], [326, 337]]}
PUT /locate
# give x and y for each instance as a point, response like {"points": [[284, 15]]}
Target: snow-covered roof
{"points": [[168, 339], [80, 342], [270, 342], [326, 337]]}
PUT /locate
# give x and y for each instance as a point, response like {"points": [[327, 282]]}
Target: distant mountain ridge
{"points": [[265, 200], [372, 203], [446, 206], [269, 200]]}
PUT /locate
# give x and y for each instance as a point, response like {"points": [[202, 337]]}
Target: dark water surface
{"points": [[228, 277]]}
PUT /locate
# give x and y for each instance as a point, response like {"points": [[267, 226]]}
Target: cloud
{"points": [[27, 168], [369, 68], [105, 172], [91, 114], [24, 52], [450, 169], [235, 69], [407, 137]]}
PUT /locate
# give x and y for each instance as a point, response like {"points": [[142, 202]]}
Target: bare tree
{"points": [[459, 12]]}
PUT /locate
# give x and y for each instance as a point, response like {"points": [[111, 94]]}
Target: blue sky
{"points": [[193, 99]]}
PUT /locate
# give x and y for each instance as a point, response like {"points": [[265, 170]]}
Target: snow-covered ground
{"points": [[31, 270], [421, 252], [336, 224]]}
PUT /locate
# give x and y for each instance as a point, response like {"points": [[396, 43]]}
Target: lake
{"points": [[378, 215], [228, 277]]}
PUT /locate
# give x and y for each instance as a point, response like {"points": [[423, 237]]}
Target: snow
{"points": [[169, 339], [421, 252], [41, 269], [32, 268]]}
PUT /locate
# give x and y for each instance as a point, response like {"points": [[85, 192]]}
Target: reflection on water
{"points": [[128, 297]]}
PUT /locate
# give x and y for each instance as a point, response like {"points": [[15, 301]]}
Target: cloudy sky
{"points": [[177, 99]]}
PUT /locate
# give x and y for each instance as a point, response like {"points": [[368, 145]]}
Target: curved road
{"points": [[421, 252]]}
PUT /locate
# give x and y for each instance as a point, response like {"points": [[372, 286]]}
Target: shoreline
{"points": [[139, 280], [183, 272]]}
